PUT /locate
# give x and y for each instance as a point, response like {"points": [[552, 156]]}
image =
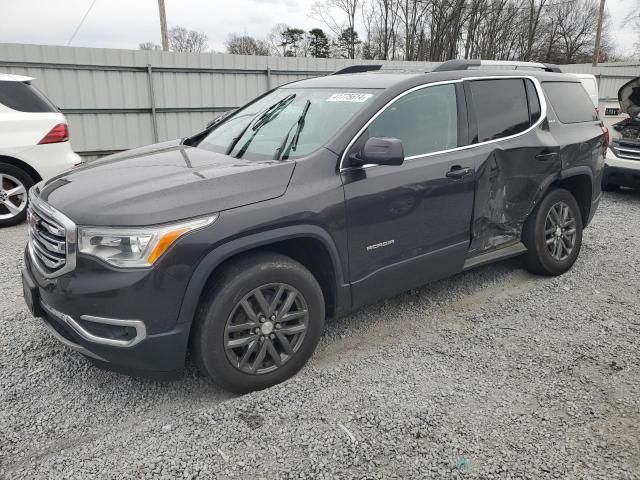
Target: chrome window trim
{"points": [[70, 234], [536, 83], [138, 325]]}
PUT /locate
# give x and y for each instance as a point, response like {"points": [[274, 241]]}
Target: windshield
{"points": [[286, 123]]}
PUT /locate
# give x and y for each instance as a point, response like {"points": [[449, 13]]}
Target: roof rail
{"points": [[516, 65], [450, 65], [358, 69]]}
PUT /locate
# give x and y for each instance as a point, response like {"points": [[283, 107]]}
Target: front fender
{"points": [[227, 250]]}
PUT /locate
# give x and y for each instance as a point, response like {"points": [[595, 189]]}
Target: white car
{"points": [[622, 165], [34, 144], [590, 84]]}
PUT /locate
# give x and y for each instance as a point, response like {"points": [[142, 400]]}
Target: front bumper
{"points": [[141, 347]]}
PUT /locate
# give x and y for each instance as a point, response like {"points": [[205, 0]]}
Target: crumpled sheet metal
{"points": [[507, 186]]}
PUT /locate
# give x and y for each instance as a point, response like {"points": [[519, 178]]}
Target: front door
{"points": [[410, 224]]}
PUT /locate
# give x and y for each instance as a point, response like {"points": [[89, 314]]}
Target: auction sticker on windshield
{"points": [[350, 97]]}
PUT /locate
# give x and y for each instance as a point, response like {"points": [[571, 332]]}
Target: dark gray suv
{"points": [[316, 198]]}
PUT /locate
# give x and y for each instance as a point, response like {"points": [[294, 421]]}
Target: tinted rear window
{"points": [[570, 102], [501, 108], [24, 98]]}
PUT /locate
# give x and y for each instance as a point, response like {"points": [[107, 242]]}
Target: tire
{"points": [[610, 187], [13, 208], [542, 257], [224, 317]]}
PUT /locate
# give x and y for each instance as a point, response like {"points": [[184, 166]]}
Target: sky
{"points": [[127, 23]]}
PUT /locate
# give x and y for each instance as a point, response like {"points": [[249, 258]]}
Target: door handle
{"points": [[458, 172], [544, 156]]}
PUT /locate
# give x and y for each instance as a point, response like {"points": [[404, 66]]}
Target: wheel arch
{"points": [[310, 245], [32, 172], [579, 181]]}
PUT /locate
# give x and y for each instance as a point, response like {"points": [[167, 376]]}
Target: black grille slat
{"points": [[54, 246], [46, 252], [48, 260]]}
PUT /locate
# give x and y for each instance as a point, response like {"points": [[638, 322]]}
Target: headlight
{"points": [[134, 247]]}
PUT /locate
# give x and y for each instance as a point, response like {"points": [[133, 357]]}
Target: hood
{"points": [[163, 183], [629, 97]]}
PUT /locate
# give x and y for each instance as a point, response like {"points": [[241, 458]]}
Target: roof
{"points": [[8, 77], [384, 79], [375, 80]]}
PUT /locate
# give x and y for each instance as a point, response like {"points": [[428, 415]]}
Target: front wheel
{"points": [[553, 234], [261, 323]]}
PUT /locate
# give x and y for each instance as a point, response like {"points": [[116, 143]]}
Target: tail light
{"points": [[607, 137], [59, 133]]}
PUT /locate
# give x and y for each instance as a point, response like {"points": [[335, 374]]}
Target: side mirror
{"points": [[379, 151]]}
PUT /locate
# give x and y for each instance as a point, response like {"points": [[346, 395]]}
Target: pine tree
{"points": [[318, 43]]}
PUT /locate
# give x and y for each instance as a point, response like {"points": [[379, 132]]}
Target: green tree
{"points": [[348, 43], [290, 41], [318, 43], [246, 45]]}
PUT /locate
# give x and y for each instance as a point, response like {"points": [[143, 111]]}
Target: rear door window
{"points": [[23, 97], [570, 102], [500, 106]]}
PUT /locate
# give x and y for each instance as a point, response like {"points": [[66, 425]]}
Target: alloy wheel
{"points": [[13, 197], [560, 231], [266, 328]]}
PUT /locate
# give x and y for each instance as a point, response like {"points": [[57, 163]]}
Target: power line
{"points": [[81, 22]]}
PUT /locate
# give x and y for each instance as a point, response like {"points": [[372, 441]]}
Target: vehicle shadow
{"points": [[624, 193]]}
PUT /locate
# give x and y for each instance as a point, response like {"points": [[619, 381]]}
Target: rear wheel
{"points": [[14, 187], [610, 187], [261, 324], [553, 234]]}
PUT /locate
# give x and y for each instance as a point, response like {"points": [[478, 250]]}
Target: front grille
{"points": [[48, 241], [51, 238], [626, 150]]}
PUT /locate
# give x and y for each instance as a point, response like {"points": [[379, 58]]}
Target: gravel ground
{"points": [[494, 373]]}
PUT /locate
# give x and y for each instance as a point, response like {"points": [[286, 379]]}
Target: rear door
{"points": [[515, 157]]}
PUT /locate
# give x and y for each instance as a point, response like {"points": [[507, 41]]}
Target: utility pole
{"points": [[163, 26], [596, 51]]}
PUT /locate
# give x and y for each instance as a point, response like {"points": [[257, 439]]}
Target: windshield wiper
{"points": [[294, 142], [212, 125], [269, 114]]}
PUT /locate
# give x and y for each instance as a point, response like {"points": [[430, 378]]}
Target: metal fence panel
{"points": [[120, 99]]}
